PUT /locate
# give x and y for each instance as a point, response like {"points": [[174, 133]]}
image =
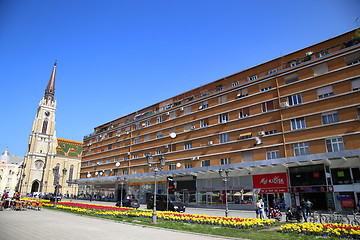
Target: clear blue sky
{"points": [[117, 56]]}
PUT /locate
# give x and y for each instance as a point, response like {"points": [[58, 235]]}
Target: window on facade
{"points": [[224, 138], [245, 135], [219, 88], [44, 126], [334, 144], [320, 69], [159, 134], [330, 117], [323, 53], [224, 161], [147, 137], [223, 118], [125, 172], [243, 93], [352, 58], [118, 133], [293, 63], [172, 115], [307, 175], [204, 105], [115, 172], [265, 89], [159, 152], [172, 166], [147, 123], [71, 173], [301, 149], [88, 164], [135, 156], [159, 119], [270, 132], [205, 163], [234, 84], [252, 78], [134, 170], [187, 110], [267, 106], [137, 126], [247, 156], [222, 99], [136, 140], [187, 145], [297, 123], [325, 92], [187, 127], [272, 154], [126, 158], [188, 165], [110, 135], [116, 159], [244, 112], [204, 122], [294, 99], [293, 77], [355, 84], [109, 147], [272, 71]]}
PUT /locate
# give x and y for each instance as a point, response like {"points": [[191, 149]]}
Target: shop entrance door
{"points": [[270, 199]]}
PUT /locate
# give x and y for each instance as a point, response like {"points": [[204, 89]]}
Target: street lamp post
{"points": [[156, 168], [56, 182], [121, 193], [225, 178]]}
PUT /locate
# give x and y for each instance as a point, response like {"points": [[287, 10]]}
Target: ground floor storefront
{"points": [[329, 183]]}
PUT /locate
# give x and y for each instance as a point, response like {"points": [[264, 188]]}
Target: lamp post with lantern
{"points": [[224, 174], [156, 168], [56, 181]]}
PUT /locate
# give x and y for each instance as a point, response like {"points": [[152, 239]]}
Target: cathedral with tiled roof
{"points": [[50, 161]]}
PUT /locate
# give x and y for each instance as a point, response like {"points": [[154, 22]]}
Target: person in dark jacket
{"points": [[303, 209]]}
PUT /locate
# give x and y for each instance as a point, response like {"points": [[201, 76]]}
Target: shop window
{"points": [[307, 175], [341, 176], [356, 174]]}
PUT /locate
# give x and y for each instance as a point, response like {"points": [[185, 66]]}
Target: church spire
{"points": [[50, 89]]}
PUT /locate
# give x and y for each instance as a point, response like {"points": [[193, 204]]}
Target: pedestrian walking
{"points": [[303, 209], [257, 208]]}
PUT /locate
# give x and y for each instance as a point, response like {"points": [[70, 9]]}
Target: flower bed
{"points": [[325, 229], [110, 211]]}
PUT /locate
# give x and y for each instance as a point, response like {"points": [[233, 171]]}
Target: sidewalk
{"points": [[55, 225]]}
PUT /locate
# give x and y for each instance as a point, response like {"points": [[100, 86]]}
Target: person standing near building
{"points": [[257, 208], [262, 209], [303, 209], [309, 205]]}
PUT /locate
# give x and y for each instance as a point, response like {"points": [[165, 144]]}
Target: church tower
{"points": [[42, 143]]}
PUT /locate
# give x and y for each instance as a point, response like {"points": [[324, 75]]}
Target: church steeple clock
{"points": [[42, 141]]}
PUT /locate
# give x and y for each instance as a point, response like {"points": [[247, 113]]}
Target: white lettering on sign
{"points": [[274, 180]]}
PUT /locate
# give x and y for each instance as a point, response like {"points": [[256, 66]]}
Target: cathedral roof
{"points": [[69, 148], [50, 89]]}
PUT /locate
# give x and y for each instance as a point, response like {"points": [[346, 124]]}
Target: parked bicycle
{"points": [[337, 217], [316, 217], [356, 220]]}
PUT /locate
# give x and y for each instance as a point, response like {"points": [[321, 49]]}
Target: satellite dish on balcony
{"points": [[178, 165], [117, 164], [173, 135]]}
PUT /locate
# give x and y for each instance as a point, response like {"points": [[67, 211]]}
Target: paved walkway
{"points": [[54, 225]]}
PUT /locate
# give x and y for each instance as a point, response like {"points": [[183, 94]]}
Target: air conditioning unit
{"points": [[182, 108], [284, 104], [239, 95], [128, 153], [167, 113], [127, 132], [143, 124], [309, 53], [210, 142], [200, 107], [261, 133], [224, 121], [167, 146], [192, 127]]}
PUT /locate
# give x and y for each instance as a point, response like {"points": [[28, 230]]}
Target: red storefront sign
{"points": [[271, 183], [347, 203]]}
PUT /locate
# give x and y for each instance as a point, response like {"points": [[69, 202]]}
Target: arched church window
{"points": [[44, 127]]}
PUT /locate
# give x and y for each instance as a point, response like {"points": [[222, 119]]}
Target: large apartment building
{"points": [[286, 129]]}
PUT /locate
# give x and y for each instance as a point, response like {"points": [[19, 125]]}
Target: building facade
{"points": [[286, 129], [48, 156], [10, 170]]}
